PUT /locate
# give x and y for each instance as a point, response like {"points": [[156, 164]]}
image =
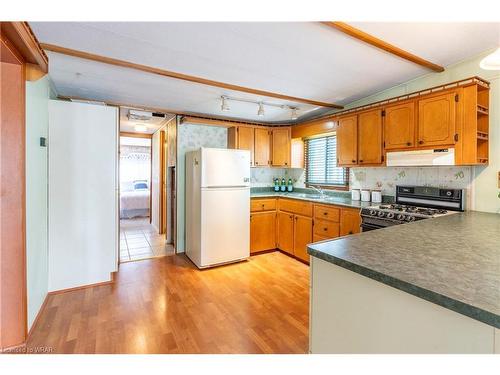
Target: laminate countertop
{"points": [[453, 261], [336, 200]]}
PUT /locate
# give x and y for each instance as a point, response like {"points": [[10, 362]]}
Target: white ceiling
{"points": [[307, 60]]}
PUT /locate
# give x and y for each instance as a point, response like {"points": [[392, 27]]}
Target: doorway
{"points": [[139, 238]]}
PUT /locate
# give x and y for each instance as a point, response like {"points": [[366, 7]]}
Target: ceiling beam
{"points": [[379, 43], [184, 77]]}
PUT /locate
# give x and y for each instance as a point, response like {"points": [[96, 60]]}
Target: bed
{"points": [[134, 202]]}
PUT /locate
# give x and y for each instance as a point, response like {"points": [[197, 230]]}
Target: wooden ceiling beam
{"points": [[379, 43], [181, 76]]}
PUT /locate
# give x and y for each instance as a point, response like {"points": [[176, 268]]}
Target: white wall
{"points": [[83, 194], [155, 181], [37, 121]]}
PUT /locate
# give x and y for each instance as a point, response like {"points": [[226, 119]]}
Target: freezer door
{"points": [[225, 225], [225, 168]]}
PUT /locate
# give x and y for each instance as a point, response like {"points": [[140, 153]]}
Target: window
{"points": [[321, 163]]}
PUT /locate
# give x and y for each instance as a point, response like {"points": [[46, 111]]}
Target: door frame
{"points": [[163, 181]]}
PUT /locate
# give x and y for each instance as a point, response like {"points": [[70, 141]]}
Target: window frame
{"points": [[306, 166]]}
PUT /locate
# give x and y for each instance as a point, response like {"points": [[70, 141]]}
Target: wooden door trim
{"points": [[162, 200], [15, 274], [383, 45], [180, 76]]}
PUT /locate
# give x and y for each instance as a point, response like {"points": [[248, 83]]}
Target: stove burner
{"points": [[413, 209]]}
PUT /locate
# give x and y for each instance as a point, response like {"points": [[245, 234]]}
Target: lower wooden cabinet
{"points": [[350, 221], [285, 232], [262, 231], [302, 236]]}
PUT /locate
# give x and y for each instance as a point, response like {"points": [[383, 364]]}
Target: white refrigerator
{"points": [[217, 206]]}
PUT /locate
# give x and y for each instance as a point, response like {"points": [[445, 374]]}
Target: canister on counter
{"points": [[376, 196], [365, 195], [355, 194]]}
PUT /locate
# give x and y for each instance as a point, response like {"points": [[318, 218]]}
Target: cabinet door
{"points": [[281, 147], [347, 141], [285, 232], [302, 236], [399, 126], [246, 141], [262, 150], [350, 221], [262, 231], [436, 120], [370, 137]]}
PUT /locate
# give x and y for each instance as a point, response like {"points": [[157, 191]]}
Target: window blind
{"points": [[321, 163]]}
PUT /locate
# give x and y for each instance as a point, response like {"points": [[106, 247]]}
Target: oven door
{"points": [[365, 227]]}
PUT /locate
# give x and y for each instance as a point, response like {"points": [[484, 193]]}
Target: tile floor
{"points": [[139, 240]]}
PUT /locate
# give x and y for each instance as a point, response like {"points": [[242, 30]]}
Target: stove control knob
{"points": [[400, 217], [390, 215], [381, 214], [410, 218], [373, 212]]}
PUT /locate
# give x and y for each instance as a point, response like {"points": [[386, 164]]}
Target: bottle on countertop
{"points": [[283, 184], [276, 184], [290, 185]]}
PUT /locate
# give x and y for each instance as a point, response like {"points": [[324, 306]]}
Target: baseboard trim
{"points": [[111, 281], [37, 317]]}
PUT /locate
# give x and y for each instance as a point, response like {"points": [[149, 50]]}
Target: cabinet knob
{"points": [[421, 142], [325, 213], [408, 143], [350, 232], [361, 161], [256, 163], [354, 161], [325, 229]]}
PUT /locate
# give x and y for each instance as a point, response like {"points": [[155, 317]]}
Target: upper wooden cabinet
{"points": [[347, 141], [436, 120], [281, 147], [262, 148], [399, 126], [370, 137], [242, 138]]}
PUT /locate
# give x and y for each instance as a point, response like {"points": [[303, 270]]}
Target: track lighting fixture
{"points": [[260, 112], [224, 105]]}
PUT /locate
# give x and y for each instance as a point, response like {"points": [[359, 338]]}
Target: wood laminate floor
{"points": [[166, 305]]}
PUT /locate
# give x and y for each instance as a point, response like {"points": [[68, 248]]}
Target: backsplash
{"points": [[387, 178], [384, 179], [263, 177]]}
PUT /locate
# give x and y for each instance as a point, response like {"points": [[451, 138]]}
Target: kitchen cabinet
{"points": [[350, 221], [262, 147], [265, 204], [399, 126], [241, 138], [436, 120], [370, 137], [285, 232], [347, 141], [280, 147], [262, 231], [302, 235]]}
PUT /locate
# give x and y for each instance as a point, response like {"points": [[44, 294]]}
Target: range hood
{"points": [[438, 156]]}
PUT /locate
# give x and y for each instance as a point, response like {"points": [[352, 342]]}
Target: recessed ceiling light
{"points": [[492, 61], [260, 112], [224, 105], [140, 128]]}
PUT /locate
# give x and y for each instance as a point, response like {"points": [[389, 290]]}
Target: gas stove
{"points": [[427, 202]]}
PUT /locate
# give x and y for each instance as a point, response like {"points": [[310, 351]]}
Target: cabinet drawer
{"points": [[326, 213], [326, 228], [257, 205], [296, 207]]}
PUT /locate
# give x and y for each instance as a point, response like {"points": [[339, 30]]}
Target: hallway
{"points": [[140, 240]]}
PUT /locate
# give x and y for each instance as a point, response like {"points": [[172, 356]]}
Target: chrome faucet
{"points": [[319, 190]]}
